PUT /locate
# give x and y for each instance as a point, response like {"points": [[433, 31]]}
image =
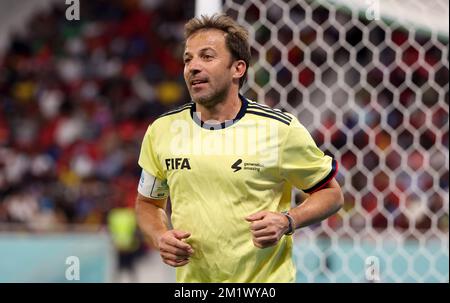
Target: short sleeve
{"points": [[303, 164], [148, 159]]}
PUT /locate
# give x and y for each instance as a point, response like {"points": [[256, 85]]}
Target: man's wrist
{"points": [[291, 223]]}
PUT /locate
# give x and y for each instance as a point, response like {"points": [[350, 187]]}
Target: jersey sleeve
{"points": [[148, 159], [303, 164]]}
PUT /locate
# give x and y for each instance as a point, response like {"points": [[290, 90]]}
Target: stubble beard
{"points": [[212, 99]]}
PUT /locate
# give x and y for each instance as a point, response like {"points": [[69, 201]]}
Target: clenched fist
{"points": [[172, 248], [267, 227]]}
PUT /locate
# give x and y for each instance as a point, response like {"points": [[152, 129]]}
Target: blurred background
{"points": [[368, 80]]}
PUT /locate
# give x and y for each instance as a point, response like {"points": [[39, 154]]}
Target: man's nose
{"points": [[194, 67]]}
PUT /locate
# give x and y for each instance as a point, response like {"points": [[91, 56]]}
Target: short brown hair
{"points": [[236, 37]]}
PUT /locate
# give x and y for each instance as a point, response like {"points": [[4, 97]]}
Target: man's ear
{"points": [[239, 68]]}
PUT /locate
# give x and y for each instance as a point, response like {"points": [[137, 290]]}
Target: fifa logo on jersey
{"points": [[177, 163]]}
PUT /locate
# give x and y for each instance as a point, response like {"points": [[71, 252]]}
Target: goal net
{"points": [[369, 80]]}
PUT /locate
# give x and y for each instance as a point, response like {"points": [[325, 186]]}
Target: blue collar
{"points": [[224, 124]]}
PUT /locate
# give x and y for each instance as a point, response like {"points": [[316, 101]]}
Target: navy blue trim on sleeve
{"points": [[328, 178]]}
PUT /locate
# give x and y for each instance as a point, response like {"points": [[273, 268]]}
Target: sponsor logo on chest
{"points": [[239, 164]]}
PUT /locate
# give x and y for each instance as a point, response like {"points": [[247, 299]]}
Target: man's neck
{"points": [[221, 112]]}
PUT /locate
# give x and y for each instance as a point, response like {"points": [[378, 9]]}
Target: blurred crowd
{"points": [[77, 96], [75, 100]]}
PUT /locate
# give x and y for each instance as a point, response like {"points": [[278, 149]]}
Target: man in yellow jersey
{"points": [[228, 165]]}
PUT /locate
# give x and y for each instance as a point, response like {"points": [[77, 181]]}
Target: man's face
{"points": [[207, 67]]}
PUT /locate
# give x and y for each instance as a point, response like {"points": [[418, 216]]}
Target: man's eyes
{"points": [[204, 56]]}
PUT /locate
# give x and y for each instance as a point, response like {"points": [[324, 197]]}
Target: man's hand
{"points": [[267, 227], [173, 250]]}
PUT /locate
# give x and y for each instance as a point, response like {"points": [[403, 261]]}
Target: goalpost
{"points": [[369, 80]]}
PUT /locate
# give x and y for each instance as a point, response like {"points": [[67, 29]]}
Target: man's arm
{"points": [[319, 205], [152, 218], [153, 222], [268, 227]]}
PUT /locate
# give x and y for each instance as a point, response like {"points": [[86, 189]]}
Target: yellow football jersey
{"points": [[216, 174]]}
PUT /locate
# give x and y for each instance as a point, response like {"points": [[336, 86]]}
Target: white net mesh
{"points": [[375, 95]]}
